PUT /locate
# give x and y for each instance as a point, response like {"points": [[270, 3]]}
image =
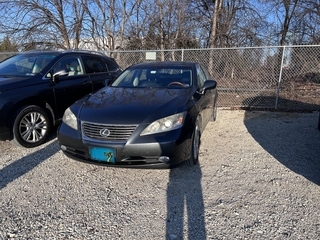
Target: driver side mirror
{"points": [[209, 84], [57, 75], [107, 82]]}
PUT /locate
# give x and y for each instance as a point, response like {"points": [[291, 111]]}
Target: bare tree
{"points": [[106, 22], [100, 18], [8, 46], [229, 23], [159, 24], [284, 13], [306, 25], [51, 23], [217, 15], [167, 25]]}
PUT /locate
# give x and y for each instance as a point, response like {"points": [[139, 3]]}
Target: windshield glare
{"points": [[25, 64], [156, 77]]}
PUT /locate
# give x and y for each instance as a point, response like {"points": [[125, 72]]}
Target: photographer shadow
{"points": [[185, 206]]}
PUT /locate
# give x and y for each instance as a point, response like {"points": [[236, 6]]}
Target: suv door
{"points": [[101, 70], [68, 89]]}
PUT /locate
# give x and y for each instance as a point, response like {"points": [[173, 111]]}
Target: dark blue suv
{"points": [[37, 87]]}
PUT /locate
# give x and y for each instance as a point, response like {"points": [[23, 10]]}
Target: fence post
{"points": [[279, 80], [182, 53]]}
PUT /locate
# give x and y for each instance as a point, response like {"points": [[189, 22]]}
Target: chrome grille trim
{"points": [[117, 132]]}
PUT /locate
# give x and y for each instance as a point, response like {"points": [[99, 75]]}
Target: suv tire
{"points": [[31, 127]]}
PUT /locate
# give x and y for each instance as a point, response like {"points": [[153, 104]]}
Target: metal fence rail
{"points": [[282, 78]]}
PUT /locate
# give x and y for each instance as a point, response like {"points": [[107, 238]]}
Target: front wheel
{"points": [[215, 112], [195, 147], [31, 127]]}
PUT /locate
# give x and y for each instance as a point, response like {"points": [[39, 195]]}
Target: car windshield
{"points": [[155, 77], [25, 64]]}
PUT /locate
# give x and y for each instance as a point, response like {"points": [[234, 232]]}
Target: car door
{"points": [[100, 69], [206, 99], [68, 89]]}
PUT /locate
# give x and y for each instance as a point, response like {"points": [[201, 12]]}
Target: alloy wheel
{"points": [[33, 127]]}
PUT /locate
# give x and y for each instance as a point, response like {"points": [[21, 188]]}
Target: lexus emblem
{"points": [[105, 132]]}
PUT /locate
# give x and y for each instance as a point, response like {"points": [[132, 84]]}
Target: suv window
{"points": [[111, 67], [71, 64], [94, 65]]}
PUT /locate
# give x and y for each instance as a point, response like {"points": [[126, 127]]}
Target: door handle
{"points": [[86, 83]]}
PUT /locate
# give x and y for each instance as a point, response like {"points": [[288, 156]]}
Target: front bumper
{"points": [[140, 154]]}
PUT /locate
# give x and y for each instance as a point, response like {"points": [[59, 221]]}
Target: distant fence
{"points": [[280, 78]]}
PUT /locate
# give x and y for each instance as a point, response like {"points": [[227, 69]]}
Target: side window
{"points": [[112, 67], [201, 77], [70, 64], [94, 64], [206, 73]]}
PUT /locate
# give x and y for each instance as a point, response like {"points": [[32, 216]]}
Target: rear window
{"points": [[94, 64]]}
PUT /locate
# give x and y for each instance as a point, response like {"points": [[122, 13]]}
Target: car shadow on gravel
{"points": [[291, 138], [185, 204], [25, 164]]}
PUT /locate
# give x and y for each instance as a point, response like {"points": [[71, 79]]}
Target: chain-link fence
{"points": [[281, 78]]}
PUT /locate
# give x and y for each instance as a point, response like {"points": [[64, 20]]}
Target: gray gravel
{"points": [[258, 178]]}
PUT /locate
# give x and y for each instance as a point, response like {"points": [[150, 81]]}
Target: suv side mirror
{"points": [[107, 82], [57, 75]]}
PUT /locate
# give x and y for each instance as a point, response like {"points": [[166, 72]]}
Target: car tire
{"points": [[215, 112], [31, 127], [195, 145]]}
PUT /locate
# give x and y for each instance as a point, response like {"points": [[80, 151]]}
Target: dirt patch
{"points": [[258, 178]]}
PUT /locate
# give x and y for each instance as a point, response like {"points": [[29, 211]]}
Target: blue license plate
{"points": [[103, 154]]}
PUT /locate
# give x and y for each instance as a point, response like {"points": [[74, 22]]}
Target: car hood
{"points": [[134, 105], [8, 83]]}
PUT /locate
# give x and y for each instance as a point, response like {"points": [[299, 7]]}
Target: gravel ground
{"points": [[258, 178]]}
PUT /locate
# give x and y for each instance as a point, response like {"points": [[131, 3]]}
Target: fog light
{"points": [[164, 159], [63, 147]]}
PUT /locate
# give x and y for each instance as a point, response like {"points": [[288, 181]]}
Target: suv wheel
{"points": [[31, 127]]}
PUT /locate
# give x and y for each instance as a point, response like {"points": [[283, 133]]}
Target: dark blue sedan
{"points": [[152, 115]]}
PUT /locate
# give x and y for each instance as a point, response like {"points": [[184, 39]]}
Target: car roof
{"points": [[65, 52], [166, 64]]}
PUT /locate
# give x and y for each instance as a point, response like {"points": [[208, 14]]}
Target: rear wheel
{"points": [[31, 127], [195, 148]]}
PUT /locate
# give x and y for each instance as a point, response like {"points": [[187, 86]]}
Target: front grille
{"points": [[111, 132]]}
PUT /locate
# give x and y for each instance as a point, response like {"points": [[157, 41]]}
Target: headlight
{"points": [[70, 119], [165, 124]]}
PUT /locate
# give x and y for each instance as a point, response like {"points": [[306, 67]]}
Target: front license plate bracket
{"points": [[101, 154]]}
